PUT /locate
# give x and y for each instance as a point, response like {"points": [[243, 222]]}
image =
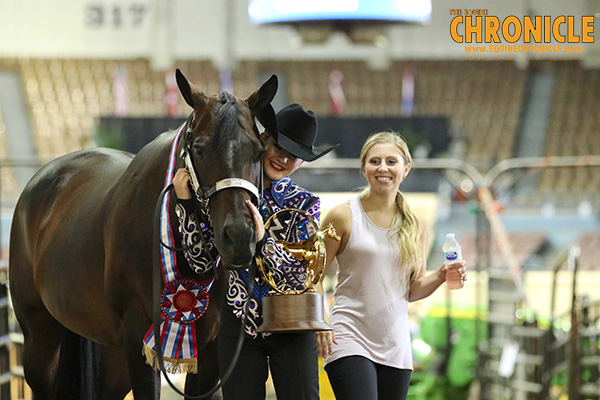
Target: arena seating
{"points": [[66, 97], [9, 189], [573, 130], [482, 108]]}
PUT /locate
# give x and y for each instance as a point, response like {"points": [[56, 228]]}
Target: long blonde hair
{"points": [[406, 226]]}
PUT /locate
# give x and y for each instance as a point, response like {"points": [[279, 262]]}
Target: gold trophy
{"points": [[297, 309]]}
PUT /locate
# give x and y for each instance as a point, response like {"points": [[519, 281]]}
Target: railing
{"points": [[12, 382]]}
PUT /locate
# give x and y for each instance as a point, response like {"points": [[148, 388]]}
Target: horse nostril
{"points": [[238, 237]]}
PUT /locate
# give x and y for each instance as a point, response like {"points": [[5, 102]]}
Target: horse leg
{"points": [[208, 371], [145, 381], [114, 375], [41, 352]]}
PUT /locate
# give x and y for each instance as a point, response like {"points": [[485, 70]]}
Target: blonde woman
{"points": [[381, 258]]}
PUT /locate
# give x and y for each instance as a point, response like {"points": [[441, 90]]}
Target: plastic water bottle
{"points": [[452, 259]]}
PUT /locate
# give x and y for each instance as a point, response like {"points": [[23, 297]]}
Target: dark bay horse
{"points": [[81, 246]]}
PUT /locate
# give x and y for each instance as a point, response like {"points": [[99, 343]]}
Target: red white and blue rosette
{"points": [[184, 300]]}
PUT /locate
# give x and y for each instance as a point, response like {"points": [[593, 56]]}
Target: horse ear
{"points": [[260, 104], [192, 95], [265, 94]]}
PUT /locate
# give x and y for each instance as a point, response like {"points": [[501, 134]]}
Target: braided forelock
{"points": [[227, 123]]}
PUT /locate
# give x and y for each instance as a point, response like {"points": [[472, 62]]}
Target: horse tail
{"points": [[78, 369]]}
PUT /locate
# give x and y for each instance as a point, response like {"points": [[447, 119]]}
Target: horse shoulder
{"points": [[128, 230]]}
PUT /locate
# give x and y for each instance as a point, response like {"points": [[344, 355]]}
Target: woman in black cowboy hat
{"points": [[291, 357]]}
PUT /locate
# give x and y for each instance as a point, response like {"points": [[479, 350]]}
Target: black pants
{"points": [[358, 378], [292, 358]]}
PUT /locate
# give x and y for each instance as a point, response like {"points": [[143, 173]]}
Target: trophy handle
{"points": [[311, 250]]}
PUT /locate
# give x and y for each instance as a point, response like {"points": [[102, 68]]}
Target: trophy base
{"points": [[293, 313]]}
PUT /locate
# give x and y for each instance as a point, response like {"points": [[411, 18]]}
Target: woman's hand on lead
{"points": [[181, 182], [258, 220]]}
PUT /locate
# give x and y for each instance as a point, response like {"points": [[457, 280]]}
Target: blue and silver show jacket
{"points": [[288, 273]]}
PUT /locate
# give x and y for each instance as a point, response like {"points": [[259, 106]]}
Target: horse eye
{"points": [[197, 148]]}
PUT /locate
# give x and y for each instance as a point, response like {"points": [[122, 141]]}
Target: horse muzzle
{"points": [[237, 245]]}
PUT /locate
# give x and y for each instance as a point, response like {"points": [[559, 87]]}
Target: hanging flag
{"points": [[408, 91], [171, 93], [336, 93], [121, 91]]}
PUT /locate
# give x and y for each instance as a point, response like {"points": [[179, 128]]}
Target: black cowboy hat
{"points": [[297, 133]]}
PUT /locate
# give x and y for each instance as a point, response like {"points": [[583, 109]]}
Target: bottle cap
{"points": [[450, 236]]}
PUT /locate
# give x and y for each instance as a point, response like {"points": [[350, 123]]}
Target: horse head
{"points": [[225, 152]]}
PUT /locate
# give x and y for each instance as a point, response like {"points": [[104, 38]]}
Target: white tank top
{"points": [[369, 314]]}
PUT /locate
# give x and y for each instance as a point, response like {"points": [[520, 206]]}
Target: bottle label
{"points": [[452, 255]]}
